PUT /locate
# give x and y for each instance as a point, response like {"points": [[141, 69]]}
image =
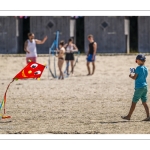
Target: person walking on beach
{"points": [[30, 47], [70, 48], [141, 73], [91, 54]]}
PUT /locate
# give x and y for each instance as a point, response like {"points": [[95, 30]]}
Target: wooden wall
{"points": [[110, 39], [144, 34], [8, 36], [48, 25]]}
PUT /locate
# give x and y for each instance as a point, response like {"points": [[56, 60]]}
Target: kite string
{"points": [[5, 95]]}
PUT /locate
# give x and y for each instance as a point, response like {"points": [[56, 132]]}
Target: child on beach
{"points": [[61, 59], [141, 73]]}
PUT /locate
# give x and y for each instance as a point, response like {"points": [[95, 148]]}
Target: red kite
{"points": [[32, 70]]}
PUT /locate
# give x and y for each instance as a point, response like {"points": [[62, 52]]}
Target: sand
{"points": [[79, 104]]}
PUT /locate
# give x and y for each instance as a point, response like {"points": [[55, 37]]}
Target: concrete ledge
{"points": [[82, 54]]}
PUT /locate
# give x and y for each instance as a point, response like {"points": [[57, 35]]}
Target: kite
{"points": [[32, 70], [52, 52]]}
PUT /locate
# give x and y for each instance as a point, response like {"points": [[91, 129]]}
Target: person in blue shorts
{"points": [[91, 54], [141, 73]]}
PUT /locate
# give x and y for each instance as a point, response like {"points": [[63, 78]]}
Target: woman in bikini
{"points": [[70, 48], [61, 58]]}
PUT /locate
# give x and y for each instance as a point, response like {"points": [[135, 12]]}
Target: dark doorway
{"points": [[133, 34], [26, 30], [80, 34]]}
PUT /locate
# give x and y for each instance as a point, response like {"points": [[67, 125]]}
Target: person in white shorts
{"points": [[30, 47]]}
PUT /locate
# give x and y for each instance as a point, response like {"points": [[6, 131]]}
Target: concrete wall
{"points": [[110, 39], [48, 25], [8, 35], [144, 34]]}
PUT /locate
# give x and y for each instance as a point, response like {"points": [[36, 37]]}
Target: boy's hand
{"points": [[133, 77]]}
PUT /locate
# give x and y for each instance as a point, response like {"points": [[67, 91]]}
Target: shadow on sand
{"points": [[6, 121], [124, 121]]}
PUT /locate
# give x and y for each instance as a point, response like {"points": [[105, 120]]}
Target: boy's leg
{"points": [[130, 112], [136, 97], [147, 111], [144, 99], [93, 63], [88, 67]]}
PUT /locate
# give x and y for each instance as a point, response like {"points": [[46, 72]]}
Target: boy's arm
{"points": [[25, 47], [41, 41], [133, 77]]}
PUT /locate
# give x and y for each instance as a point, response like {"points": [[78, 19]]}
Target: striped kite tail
{"points": [[3, 104]]}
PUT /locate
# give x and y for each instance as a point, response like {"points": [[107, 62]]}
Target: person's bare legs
{"points": [[72, 61], [93, 63], [61, 64], [88, 67], [67, 64], [147, 111], [130, 112]]}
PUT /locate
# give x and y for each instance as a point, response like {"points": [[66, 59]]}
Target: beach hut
{"points": [[9, 35], [48, 25], [108, 32]]}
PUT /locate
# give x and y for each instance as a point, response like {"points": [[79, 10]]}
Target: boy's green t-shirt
{"points": [[142, 73]]}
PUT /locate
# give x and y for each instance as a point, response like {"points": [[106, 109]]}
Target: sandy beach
{"points": [[79, 104]]}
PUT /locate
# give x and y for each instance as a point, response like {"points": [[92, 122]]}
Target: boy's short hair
{"points": [[141, 57], [90, 36]]}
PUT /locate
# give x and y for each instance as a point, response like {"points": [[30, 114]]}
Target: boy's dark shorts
{"points": [[140, 93], [89, 58]]}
